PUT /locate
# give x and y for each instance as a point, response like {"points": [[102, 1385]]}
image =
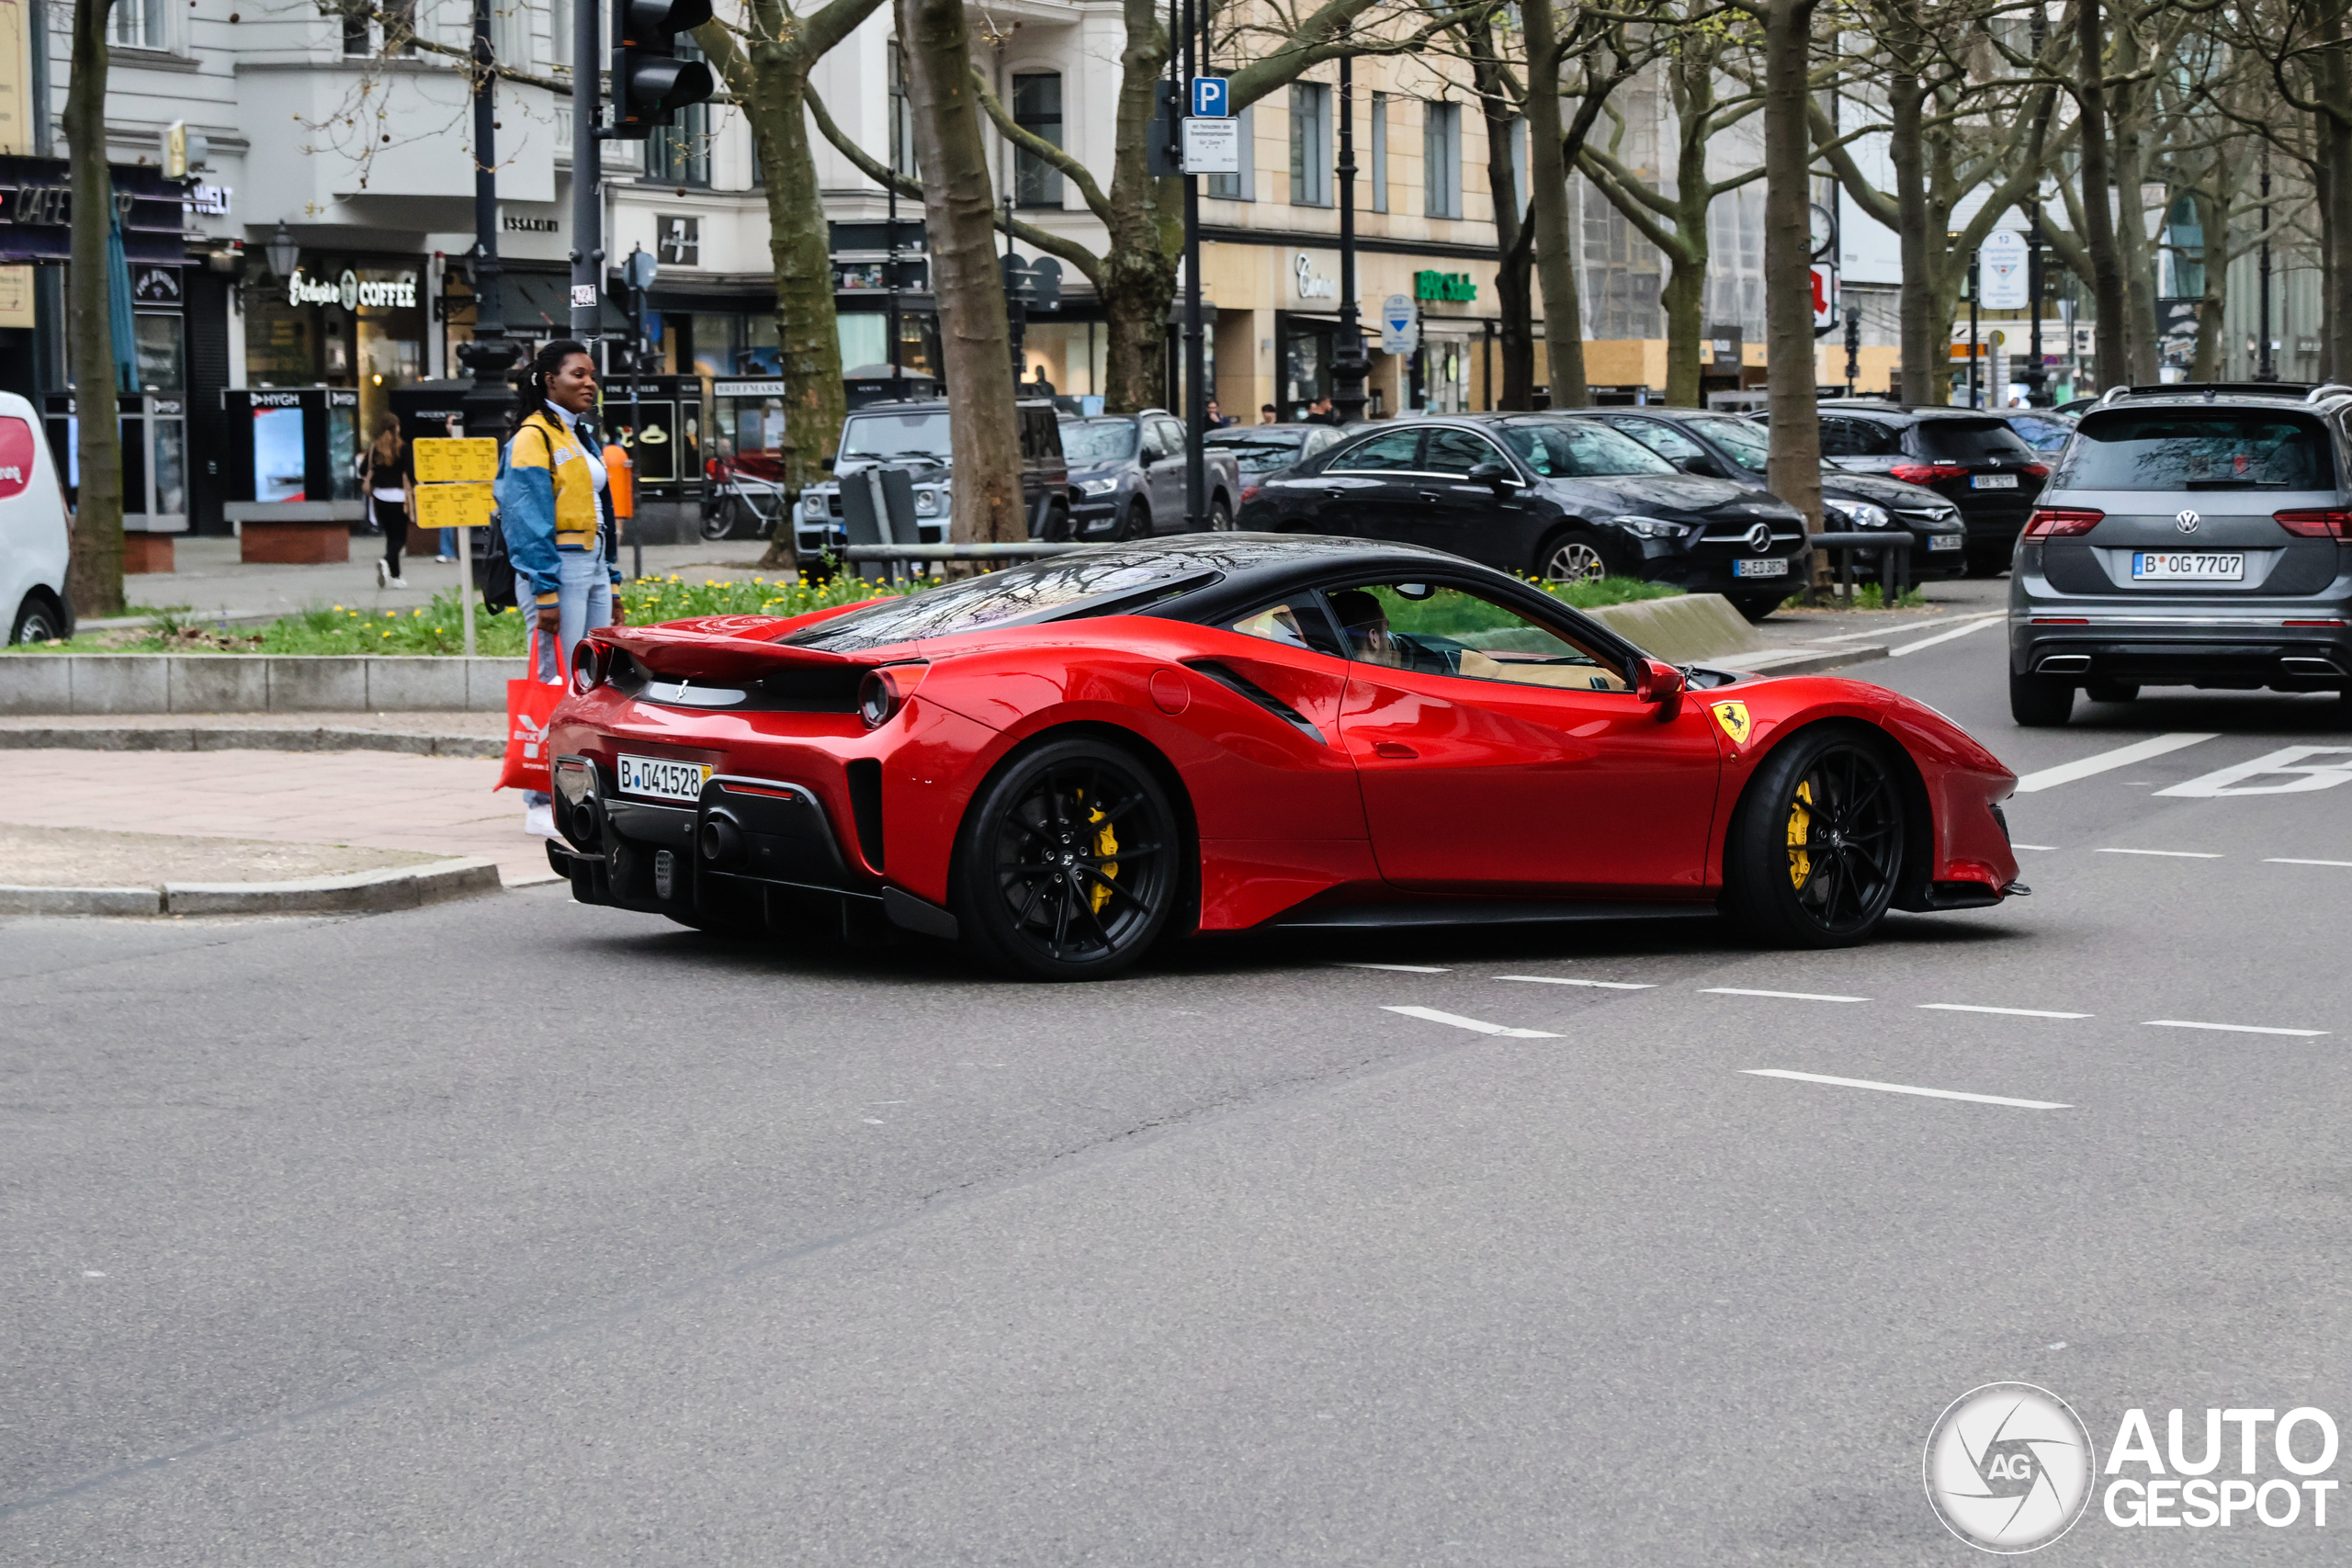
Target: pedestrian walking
{"points": [[554, 504], [388, 478], [1320, 412]]}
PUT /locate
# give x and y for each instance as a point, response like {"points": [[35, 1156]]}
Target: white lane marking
{"points": [[2104, 761], [2170, 854], [1905, 1089], [2281, 860], [1881, 631], [1598, 984], [1401, 968], [2033, 846], [2233, 1028], [1785, 995], [2005, 1012], [1960, 630], [1476, 1025], [2293, 763]]}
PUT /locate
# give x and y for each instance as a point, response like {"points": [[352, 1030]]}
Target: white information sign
{"points": [[2001, 271], [1398, 334], [1212, 146]]}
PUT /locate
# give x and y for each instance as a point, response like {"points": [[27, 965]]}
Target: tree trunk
{"points": [[1145, 238], [1684, 299], [93, 575], [2098, 221], [2212, 217], [1926, 321], [1794, 469], [1548, 158], [2133, 248], [1515, 330], [959, 217]]}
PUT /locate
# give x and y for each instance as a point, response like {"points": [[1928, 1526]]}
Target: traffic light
{"points": [[651, 84]]}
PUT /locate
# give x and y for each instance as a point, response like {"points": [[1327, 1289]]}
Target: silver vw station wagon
{"points": [[2189, 536]]}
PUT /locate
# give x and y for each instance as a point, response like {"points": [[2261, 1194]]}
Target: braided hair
{"points": [[531, 390]]}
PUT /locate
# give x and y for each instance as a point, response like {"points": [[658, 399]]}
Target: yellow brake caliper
{"points": [[1106, 842], [1800, 832]]}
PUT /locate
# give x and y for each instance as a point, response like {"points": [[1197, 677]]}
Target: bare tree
{"points": [[94, 577], [1794, 467]]}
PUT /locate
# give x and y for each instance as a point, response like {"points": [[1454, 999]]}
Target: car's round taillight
{"points": [[877, 699], [587, 667]]}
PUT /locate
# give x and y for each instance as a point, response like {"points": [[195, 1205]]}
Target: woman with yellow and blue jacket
{"points": [[553, 505]]}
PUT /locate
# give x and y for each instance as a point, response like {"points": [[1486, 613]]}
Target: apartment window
{"points": [[1441, 159], [143, 24], [679, 242], [1242, 185], [902, 117], [1380, 151], [1037, 110], [1310, 144], [679, 155], [396, 34]]}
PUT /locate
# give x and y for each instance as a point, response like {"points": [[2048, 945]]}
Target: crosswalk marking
{"points": [[2105, 762]]}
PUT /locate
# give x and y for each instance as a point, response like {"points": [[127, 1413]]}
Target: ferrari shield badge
{"points": [[1733, 716]]}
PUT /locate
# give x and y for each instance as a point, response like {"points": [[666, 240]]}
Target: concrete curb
{"points": [[252, 683], [1812, 663], [1686, 628], [232, 738], [370, 892]]}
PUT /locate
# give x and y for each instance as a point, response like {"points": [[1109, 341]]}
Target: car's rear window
{"points": [[1261, 453], [1015, 596], [1581, 448], [2198, 449], [1971, 441]]}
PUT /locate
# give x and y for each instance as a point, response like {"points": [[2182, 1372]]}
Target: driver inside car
{"points": [[1366, 625]]}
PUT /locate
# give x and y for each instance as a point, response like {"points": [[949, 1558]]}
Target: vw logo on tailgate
{"points": [[2187, 522]]}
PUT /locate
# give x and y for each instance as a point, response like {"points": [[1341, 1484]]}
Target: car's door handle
{"points": [[1432, 495], [1394, 750]]}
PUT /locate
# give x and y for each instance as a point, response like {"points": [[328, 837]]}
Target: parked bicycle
{"points": [[733, 497]]}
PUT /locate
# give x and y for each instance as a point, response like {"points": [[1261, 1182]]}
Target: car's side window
{"points": [[1871, 439], [1297, 623], [1437, 630], [1385, 453], [1319, 440], [1457, 452], [1663, 439], [1153, 447], [1838, 437], [1171, 434]]}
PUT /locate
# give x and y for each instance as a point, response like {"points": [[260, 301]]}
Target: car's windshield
{"points": [[1261, 454], [1015, 595], [2225, 449], [1581, 448], [1971, 441], [885, 435], [1086, 443], [1747, 444]]}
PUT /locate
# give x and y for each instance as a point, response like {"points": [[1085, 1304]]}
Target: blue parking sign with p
{"points": [[1210, 98]]}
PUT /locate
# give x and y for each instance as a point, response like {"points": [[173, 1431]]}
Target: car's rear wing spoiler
{"points": [[722, 647]]}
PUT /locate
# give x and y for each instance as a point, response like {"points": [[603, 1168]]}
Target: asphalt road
{"points": [[516, 1231]]}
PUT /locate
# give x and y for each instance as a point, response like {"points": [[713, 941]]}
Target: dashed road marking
{"points": [[1596, 985], [2234, 1028], [1399, 968], [2103, 762], [2170, 854], [1906, 1089], [1784, 996], [1960, 630], [1475, 1025], [2282, 860], [2033, 846], [2005, 1012]]}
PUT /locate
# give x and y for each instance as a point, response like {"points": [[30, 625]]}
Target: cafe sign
{"points": [[351, 291]]}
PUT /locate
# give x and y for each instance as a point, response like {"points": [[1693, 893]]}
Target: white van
{"points": [[35, 532]]}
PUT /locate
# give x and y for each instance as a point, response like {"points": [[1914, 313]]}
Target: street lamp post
{"points": [[1349, 365], [2266, 367], [1197, 404], [2036, 378], [490, 355], [587, 174]]}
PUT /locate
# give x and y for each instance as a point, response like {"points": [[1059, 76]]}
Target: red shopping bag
{"points": [[530, 703]]}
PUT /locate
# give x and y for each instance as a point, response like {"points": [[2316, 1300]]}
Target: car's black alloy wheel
{"points": [[1135, 523], [1575, 556], [1817, 846], [1220, 518], [1067, 868]]}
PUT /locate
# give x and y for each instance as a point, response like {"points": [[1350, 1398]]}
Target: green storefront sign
{"points": [[1444, 285]]}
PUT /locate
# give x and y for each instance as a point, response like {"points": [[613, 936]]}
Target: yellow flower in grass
{"points": [[388, 634]]}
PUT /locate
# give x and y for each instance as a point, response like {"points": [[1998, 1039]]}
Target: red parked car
{"points": [[1062, 764]]}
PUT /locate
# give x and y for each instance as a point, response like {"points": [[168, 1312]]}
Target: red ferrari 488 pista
{"points": [[1061, 764]]}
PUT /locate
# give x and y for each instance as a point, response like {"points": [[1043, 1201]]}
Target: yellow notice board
{"points": [[16, 79], [468, 459], [452, 505]]}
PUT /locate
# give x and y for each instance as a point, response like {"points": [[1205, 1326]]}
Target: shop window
{"points": [[679, 155], [1441, 159], [1310, 144], [1037, 110], [865, 338], [1243, 184], [679, 242], [162, 354], [1380, 151]]}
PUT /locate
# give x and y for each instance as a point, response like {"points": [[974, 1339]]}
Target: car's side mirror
{"points": [[1704, 466], [1491, 472], [1661, 683], [826, 464]]}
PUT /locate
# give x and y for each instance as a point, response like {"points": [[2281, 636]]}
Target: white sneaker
{"points": [[383, 574], [398, 583], [445, 560], [539, 819]]}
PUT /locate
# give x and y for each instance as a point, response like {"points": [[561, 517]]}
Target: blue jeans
{"points": [[449, 544], [584, 601]]}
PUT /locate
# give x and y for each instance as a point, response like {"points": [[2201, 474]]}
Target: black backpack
{"points": [[495, 572]]}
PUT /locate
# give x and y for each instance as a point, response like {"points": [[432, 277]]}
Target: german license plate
{"points": [[1776, 567], [2187, 566], [1995, 482], [1945, 541], [663, 778]]}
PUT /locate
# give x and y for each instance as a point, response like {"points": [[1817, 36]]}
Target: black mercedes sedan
{"points": [[1700, 441], [1552, 496]]}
